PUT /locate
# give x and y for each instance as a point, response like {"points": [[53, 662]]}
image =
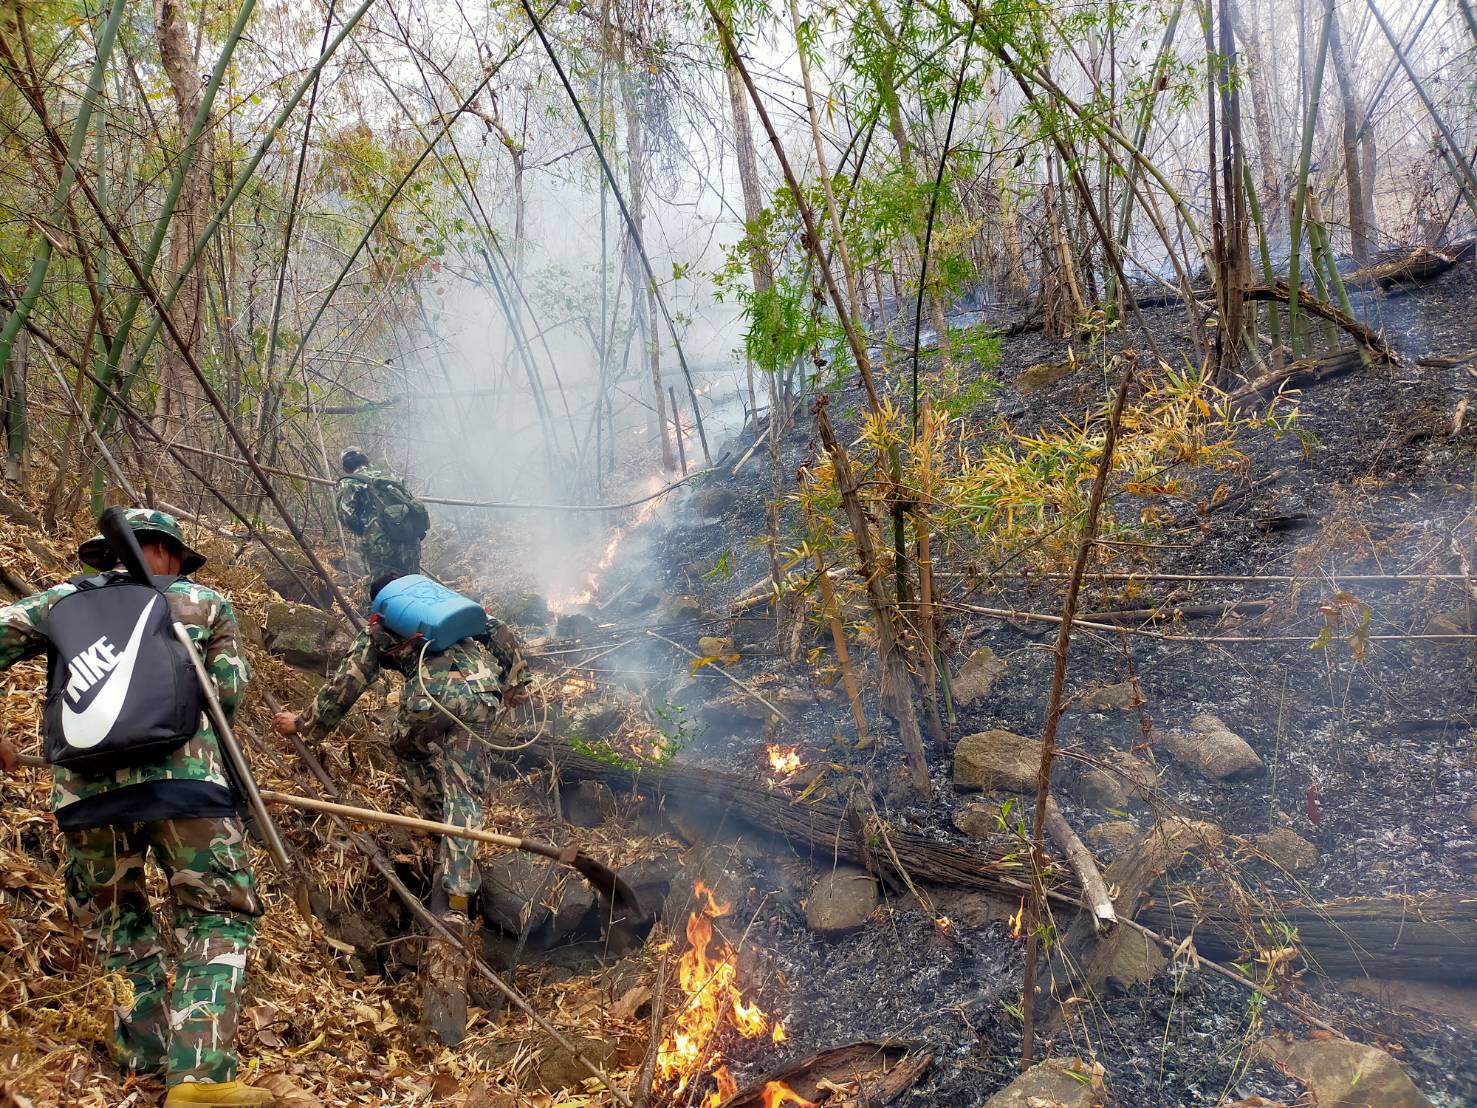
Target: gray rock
{"points": [[1140, 776], [558, 1068], [250, 631], [588, 804], [513, 888], [1287, 850], [1099, 788], [980, 818], [304, 637], [527, 609], [1214, 750], [679, 609], [997, 760], [575, 902], [977, 676], [736, 713], [651, 878], [1112, 835], [1108, 698], [1040, 374], [721, 870], [840, 902], [575, 625], [1341, 1074], [713, 646], [1057, 1083], [714, 500]]}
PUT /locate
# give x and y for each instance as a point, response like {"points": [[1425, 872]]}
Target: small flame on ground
{"points": [[784, 760], [779, 1034], [777, 1093], [1017, 919], [708, 976]]}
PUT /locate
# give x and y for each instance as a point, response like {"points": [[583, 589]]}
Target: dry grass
{"points": [[340, 1036]]}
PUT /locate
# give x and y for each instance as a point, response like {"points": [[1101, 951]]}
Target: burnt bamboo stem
{"points": [[1055, 705]]}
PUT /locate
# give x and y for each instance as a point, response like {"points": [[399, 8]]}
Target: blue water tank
{"points": [[416, 605]]}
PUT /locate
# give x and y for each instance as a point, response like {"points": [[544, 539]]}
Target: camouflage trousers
{"points": [[448, 772], [382, 556], [187, 1032]]}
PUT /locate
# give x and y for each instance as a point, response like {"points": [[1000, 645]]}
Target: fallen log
{"points": [[819, 827], [1179, 611], [1421, 264], [1322, 308], [1428, 938], [1304, 371]]}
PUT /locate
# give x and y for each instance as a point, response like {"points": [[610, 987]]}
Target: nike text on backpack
{"points": [[122, 690]]}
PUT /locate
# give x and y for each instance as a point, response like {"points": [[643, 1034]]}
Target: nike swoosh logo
{"points": [[87, 728]]}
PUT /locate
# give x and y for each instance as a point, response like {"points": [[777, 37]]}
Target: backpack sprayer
{"points": [[416, 606]]}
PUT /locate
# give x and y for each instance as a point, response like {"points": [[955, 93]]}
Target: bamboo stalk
{"points": [[41, 256], [1055, 706], [843, 655], [1300, 197]]}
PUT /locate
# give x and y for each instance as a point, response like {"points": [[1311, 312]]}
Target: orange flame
{"points": [[777, 1093], [1016, 920], [784, 760], [779, 1034], [708, 976], [562, 600]]}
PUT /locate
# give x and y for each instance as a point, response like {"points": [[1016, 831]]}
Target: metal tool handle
{"points": [[120, 536]]}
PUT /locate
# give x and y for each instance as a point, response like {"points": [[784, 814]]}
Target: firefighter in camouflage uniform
{"points": [[448, 711], [182, 808], [389, 522]]}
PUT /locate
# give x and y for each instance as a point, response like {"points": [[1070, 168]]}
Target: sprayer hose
{"points": [[502, 713]]}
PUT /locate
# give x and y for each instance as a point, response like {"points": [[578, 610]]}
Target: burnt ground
{"points": [[1382, 744]]}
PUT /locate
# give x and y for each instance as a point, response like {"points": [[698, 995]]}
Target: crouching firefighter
{"points": [[460, 666], [138, 769]]}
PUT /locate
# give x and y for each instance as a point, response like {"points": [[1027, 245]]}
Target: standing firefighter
{"points": [[448, 709], [389, 521], [138, 768]]}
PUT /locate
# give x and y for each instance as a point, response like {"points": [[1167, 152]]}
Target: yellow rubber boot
{"points": [[224, 1092]]}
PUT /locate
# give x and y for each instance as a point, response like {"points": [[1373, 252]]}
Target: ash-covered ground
{"points": [[1372, 757]]}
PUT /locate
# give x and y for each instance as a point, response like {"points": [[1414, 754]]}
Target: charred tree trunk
{"points": [[636, 172]]}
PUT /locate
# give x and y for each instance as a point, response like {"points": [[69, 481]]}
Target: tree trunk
{"points": [[17, 432], [1359, 230], [179, 393], [1261, 113], [635, 170], [748, 166], [910, 173]]}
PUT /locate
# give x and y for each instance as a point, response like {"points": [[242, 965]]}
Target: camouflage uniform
{"points": [[445, 768], [382, 542], [190, 822]]}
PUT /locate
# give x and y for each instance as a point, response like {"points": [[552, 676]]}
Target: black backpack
{"points": [[122, 690]]}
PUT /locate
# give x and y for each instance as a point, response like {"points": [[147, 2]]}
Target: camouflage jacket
{"points": [[473, 671], [367, 512], [191, 780]]}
